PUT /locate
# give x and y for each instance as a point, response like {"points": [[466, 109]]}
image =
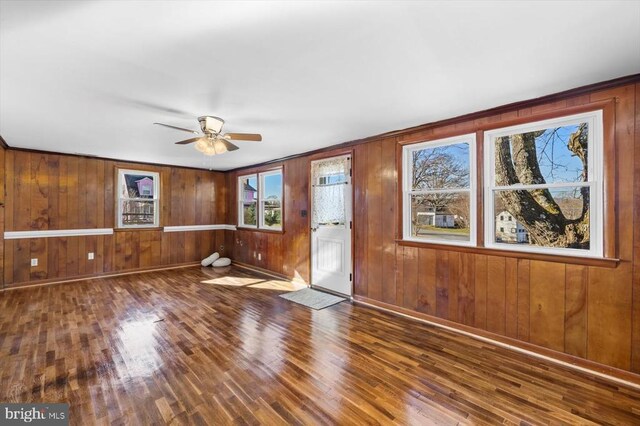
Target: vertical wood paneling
{"points": [[481, 292], [375, 221], [410, 278], [442, 284], [584, 311], [466, 289], [426, 301], [524, 301], [575, 318], [609, 318], [388, 216], [361, 233], [547, 304], [2, 216], [635, 356], [511, 297], [496, 294], [69, 192]]}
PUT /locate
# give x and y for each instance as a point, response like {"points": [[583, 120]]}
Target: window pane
{"points": [[138, 212], [443, 167], [272, 187], [552, 155], [555, 218], [249, 213], [272, 214], [441, 216], [137, 186], [249, 189]]}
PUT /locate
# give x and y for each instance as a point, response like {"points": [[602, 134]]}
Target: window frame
{"points": [[259, 175], [407, 191], [596, 172], [121, 172], [262, 199], [240, 203]]}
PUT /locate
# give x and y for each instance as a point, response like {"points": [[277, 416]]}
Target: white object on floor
{"points": [[223, 261], [209, 260]]}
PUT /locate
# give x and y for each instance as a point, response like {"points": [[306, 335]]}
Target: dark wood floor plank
{"points": [[205, 346]]}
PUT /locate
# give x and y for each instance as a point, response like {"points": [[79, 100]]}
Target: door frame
{"points": [[323, 156]]}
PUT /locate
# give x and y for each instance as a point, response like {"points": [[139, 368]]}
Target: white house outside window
{"points": [[439, 203], [544, 179], [138, 199]]}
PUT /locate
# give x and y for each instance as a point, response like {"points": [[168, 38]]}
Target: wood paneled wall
{"points": [[286, 253], [587, 311], [51, 192], [2, 208]]}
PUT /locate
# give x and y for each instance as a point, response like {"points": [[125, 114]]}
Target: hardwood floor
{"points": [[196, 346]]}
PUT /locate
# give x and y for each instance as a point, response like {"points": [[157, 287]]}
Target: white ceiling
{"points": [[92, 77]]}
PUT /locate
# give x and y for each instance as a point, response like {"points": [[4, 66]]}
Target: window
{"points": [[260, 200], [439, 200], [547, 176], [138, 199]]}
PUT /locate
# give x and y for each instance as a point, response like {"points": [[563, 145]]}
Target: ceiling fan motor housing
{"points": [[210, 124]]}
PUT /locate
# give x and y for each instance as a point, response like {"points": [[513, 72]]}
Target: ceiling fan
{"points": [[211, 141]]}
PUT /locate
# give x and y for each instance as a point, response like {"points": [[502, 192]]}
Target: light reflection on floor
{"points": [[234, 281], [140, 348]]}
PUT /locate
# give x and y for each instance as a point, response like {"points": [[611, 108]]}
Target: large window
{"points": [[439, 191], [138, 199], [544, 186], [260, 200]]}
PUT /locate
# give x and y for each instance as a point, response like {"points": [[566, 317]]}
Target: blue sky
{"points": [[553, 149], [273, 185]]}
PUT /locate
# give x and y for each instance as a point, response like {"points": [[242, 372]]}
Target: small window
{"points": [[138, 199], [439, 191], [260, 200], [548, 176], [510, 219], [501, 217]]}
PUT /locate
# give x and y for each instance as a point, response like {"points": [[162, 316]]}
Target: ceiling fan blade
{"points": [[178, 128], [243, 137], [188, 141], [221, 146]]}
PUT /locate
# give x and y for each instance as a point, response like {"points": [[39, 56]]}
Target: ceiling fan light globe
{"points": [[201, 145]]}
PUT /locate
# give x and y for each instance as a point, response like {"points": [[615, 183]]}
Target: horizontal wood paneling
{"points": [[55, 191], [587, 311]]}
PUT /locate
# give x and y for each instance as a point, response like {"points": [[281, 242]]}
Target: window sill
{"points": [[268, 231], [575, 260], [141, 228]]}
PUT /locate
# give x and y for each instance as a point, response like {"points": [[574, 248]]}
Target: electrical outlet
{"points": [[221, 247], [259, 256], [34, 262], [90, 255]]}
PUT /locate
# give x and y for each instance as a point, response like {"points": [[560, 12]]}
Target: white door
{"points": [[331, 223]]}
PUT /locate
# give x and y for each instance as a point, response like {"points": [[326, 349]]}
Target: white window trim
{"points": [[259, 200], [262, 199], [595, 183], [407, 172], [155, 199]]}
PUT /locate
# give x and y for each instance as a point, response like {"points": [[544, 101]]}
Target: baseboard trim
{"points": [[268, 272], [613, 374], [41, 283]]}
